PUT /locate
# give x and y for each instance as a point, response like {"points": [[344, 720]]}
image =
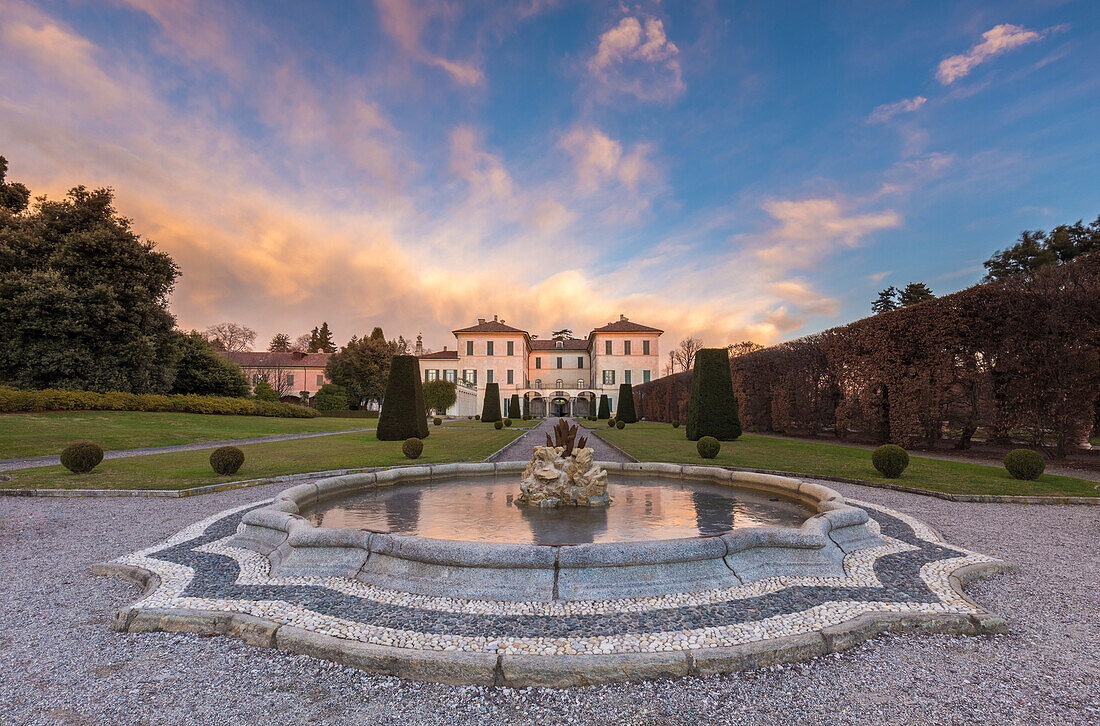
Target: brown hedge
{"points": [[1019, 357]]}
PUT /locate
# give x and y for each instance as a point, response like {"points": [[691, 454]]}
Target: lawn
{"points": [[185, 469], [517, 423], [46, 434], [661, 442]]}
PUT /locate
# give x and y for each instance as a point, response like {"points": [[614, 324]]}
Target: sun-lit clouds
{"points": [[807, 229], [995, 41], [484, 172], [887, 111], [406, 21], [197, 30], [638, 60], [599, 159]]}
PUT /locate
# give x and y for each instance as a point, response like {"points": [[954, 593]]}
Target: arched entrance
{"points": [[559, 406], [536, 405]]}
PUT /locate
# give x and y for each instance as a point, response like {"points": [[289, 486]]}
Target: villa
{"points": [[557, 377], [290, 374]]}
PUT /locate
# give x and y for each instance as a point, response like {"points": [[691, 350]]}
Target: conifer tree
{"points": [[712, 409], [627, 412], [402, 415], [605, 408], [490, 410]]}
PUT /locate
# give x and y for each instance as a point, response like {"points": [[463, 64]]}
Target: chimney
{"points": [[622, 318], [444, 349], [481, 321], [494, 318]]}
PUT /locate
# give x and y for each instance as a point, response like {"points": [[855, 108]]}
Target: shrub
{"points": [[226, 460], [50, 399], [263, 391], [490, 410], [439, 395], [412, 448], [712, 408], [403, 409], [605, 408], [626, 404], [526, 417], [513, 406], [80, 457], [708, 447], [890, 460], [437, 421], [620, 424], [477, 417], [610, 422], [498, 425], [1024, 464], [331, 397], [675, 424], [507, 422]]}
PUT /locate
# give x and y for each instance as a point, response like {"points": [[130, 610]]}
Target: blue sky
{"points": [[727, 170]]}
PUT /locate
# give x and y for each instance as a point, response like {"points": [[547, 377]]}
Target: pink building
{"points": [[288, 373]]}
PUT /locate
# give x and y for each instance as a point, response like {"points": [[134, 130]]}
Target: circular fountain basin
{"points": [[450, 530]]}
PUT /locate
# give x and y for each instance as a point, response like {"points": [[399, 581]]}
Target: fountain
{"points": [[564, 473]]}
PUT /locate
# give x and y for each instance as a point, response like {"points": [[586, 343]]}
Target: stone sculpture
{"points": [[561, 474]]}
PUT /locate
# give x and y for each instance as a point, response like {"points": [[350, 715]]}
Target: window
{"points": [[290, 379], [626, 347], [580, 361], [607, 347], [320, 380], [489, 348], [645, 348], [489, 376], [609, 378], [645, 376], [470, 376], [559, 344], [626, 376], [538, 362], [538, 383], [559, 361], [469, 347], [558, 383], [580, 383], [451, 376], [510, 376], [432, 374], [511, 348]]}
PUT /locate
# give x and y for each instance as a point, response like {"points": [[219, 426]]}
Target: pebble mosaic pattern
{"points": [[910, 573]]}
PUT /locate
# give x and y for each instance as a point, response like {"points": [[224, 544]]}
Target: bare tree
{"points": [[743, 348], [230, 337], [302, 343], [278, 377], [684, 355]]}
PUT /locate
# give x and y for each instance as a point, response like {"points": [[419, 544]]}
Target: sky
{"points": [[728, 170]]}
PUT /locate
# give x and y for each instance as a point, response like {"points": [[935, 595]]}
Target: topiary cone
{"points": [[712, 409], [627, 411], [490, 410], [402, 415]]}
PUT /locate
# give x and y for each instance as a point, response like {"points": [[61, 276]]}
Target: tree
{"points": [[203, 372], [605, 407], [323, 342], [14, 197], [331, 397], [230, 337], [1036, 249], [439, 395], [83, 298], [403, 413], [263, 391], [886, 301], [563, 334], [363, 366], [913, 293], [627, 412], [280, 343], [490, 409], [712, 408], [513, 406], [684, 355], [301, 344], [743, 348]]}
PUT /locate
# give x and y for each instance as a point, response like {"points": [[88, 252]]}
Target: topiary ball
{"points": [[708, 447], [610, 422], [437, 421], [498, 425], [620, 424], [675, 424], [80, 457], [226, 460], [890, 460], [507, 422], [477, 417], [412, 448], [1024, 464]]}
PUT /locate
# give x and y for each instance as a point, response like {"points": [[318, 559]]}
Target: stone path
{"points": [[35, 462], [520, 449]]}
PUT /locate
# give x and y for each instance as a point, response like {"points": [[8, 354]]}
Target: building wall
{"points": [[619, 362], [305, 378]]}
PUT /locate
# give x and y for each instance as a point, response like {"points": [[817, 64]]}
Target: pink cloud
{"points": [[637, 60], [887, 111], [995, 41]]}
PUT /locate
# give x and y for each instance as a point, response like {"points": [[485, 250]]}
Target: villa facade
{"points": [[290, 374], [556, 377]]}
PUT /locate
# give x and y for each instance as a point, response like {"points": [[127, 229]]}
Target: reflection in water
{"points": [[482, 509]]}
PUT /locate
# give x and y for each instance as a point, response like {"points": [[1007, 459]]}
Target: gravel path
{"points": [[61, 664], [35, 462], [520, 449]]}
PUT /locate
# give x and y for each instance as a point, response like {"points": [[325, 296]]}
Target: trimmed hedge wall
{"points": [[626, 410], [13, 400], [403, 414], [490, 410], [712, 410]]}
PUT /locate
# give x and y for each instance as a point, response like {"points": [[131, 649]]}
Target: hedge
{"points": [[712, 408], [513, 406], [490, 410], [402, 415], [626, 410], [13, 400], [605, 408]]}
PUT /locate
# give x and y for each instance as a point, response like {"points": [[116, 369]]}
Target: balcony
{"points": [[556, 385]]}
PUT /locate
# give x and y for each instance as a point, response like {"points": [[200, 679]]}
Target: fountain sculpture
{"points": [[564, 473]]}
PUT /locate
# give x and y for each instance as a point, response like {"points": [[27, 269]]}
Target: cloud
{"points": [[807, 229], [406, 20], [636, 60], [887, 111], [995, 41], [484, 172], [599, 159]]}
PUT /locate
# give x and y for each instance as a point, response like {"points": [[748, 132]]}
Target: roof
{"points": [[267, 359], [490, 326], [553, 345], [622, 325], [440, 355]]}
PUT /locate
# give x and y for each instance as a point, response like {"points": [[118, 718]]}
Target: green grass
{"points": [[185, 469], [517, 423], [661, 442], [46, 434]]}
